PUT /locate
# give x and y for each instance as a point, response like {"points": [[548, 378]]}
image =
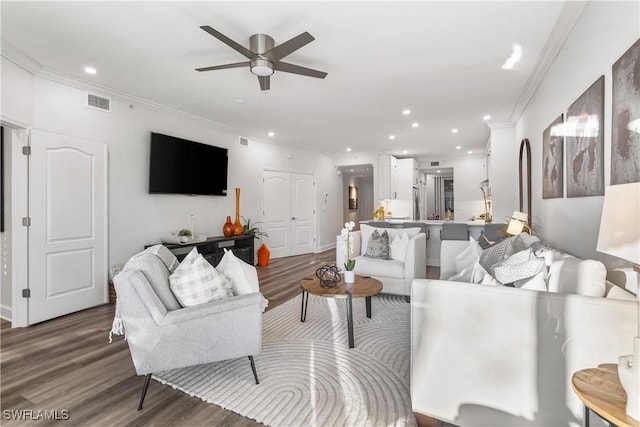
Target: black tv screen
{"points": [[179, 166]]}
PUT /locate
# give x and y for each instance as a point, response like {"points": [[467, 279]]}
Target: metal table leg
{"points": [[585, 422], [350, 320], [368, 303], [305, 304]]}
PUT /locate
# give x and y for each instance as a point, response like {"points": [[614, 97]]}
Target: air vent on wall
{"points": [[244, 141], [435, 163], [98, 102]]}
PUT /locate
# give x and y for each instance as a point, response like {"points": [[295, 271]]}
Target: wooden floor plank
{"points": [[68, 364]]}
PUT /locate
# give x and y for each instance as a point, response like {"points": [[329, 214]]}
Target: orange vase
{"points": [[237, 225], [263, 255], [228, 228]]}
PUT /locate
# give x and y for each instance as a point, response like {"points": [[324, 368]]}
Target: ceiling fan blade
{"points": [[296, 69], [226, 40], [222, 67], [290, 46], [265, 82]]}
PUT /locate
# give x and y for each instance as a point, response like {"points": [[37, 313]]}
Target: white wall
{"points": [[5, 237], [503, 173], [604, 31], [137, 218]]}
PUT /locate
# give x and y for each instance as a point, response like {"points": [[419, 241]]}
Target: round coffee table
{"points": [[363, 287]]}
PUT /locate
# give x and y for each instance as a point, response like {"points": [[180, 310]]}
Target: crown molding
{"points": [[569, 14], [19, 58], [504, 125]]}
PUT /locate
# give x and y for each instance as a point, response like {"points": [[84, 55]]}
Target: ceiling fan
{"points": [[263, 57]]}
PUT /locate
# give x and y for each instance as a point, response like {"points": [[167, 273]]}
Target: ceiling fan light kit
{"points": [[264, 57]]}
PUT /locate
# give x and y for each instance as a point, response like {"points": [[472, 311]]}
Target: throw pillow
{"points": [[399, 247], [523, 241], [468, 257], [570, 275], [366, 231], [535, 283], [496, 253], [483, 242], [519, 266], [378, 245], [195, 281], [243, 276], [480, 276]]}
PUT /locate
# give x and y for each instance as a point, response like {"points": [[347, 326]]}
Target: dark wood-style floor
{"points": [[67, 364]]}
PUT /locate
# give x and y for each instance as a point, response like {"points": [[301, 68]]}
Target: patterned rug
{"points": [[309, 376]]}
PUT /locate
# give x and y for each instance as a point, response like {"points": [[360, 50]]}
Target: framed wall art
{"points": [[553, 160], [353, 198], [625, 117], [584, 140]]}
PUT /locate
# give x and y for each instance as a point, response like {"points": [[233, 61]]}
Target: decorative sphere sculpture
{"points": [[329, 275]]}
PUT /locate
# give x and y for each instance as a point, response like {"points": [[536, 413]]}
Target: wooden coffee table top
{"points": [[364, 286]]}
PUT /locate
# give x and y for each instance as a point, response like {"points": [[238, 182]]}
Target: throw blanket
{"points": [[169, 260]]}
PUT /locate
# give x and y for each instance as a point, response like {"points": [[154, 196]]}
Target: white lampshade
{"points": [[620, 222], [517, 223]]}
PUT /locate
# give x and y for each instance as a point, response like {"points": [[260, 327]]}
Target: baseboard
{"points": [[434, 262], [5, 312], [324, 248]]}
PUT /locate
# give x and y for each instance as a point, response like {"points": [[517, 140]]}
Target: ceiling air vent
{"points": [[98, 102], [244, 141], [435, 163]]}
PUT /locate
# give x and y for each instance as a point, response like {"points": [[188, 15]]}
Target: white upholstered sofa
{"points": [[396, 275], [486, 355]]}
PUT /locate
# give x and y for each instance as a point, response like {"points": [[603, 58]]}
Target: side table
{"points": [[600, 391]]}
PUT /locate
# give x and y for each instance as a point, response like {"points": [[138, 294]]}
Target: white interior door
{"points": [[289, 213], [302, 213], [68, 231]]}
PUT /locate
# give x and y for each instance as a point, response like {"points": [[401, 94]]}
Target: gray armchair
{"points": [[162, 335]]}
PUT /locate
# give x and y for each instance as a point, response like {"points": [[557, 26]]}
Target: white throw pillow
{"points": [[244, 277], [469, 257], [399, 247], [535, 283], [480, 276], [195, 281], [570, 275], [519, 266]]}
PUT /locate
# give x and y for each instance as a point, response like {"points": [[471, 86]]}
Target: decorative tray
{"points": [[182, 240]]}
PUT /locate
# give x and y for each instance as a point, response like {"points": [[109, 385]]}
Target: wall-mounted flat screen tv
{"points": [[179, 166]]}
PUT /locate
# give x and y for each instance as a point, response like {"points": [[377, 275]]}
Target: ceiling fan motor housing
{"points": [[259, 44]]}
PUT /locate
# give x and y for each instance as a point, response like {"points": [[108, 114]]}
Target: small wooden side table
{"points": [[601, 392], [363, 287]]}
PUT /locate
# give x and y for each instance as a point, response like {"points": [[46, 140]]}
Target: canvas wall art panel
{"points": [[625, 129], [584, 140], [553, 160]]}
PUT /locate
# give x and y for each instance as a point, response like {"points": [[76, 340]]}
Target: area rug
{"points": [[308, 374]]}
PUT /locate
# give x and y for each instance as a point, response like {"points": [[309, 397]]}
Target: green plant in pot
{"points": [[184, 235], [255, 231]]}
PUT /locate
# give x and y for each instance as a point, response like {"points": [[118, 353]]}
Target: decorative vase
{"points": [[237, 225], [349, 276], [228, 228], [263, 255]]}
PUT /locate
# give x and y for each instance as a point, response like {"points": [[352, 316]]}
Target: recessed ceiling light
{"points": [[90, 70], [406, 112], [415, 124], [349, 149], [240, 101], [469, 152], [405, 152], [516, 55], [271, 134], [458, 147], [438, 171], [454, 130], [487, 117], [392, 137]]}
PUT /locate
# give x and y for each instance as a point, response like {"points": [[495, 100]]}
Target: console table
{"points": [[600, 391], [213, 248]]}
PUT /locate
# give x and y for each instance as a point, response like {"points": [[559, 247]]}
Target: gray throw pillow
{"points": [[496, 253], [378, 246]]}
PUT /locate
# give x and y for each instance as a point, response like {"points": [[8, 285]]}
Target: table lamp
{"points": [[518, 224], [620, 237]]}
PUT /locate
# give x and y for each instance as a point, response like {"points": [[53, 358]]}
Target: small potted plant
{"points": [[184, 235], [350, 264], [254, 230]]}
